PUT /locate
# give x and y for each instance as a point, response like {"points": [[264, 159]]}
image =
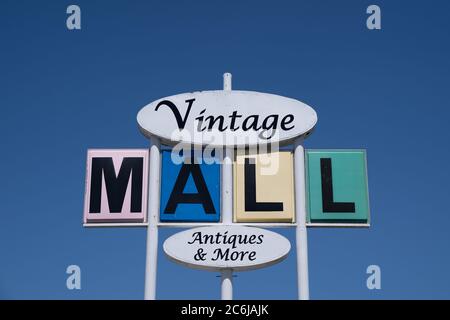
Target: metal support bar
{"points": [[152, 214], [227, 201], [301, 232]]}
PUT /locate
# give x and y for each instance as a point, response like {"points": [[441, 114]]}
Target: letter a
{"points": [[201, 197], [74, 280], [74, 20], [374, 20], [374, 280]]}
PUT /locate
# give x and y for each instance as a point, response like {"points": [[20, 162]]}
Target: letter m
{"points": [[116, 184]]}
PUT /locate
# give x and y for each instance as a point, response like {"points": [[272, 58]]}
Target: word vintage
{"points": [[231, 122], [218, 118]]}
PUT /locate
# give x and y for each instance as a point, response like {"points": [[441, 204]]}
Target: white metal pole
{"points": [[152, 214], [227, 201], [227, 284], [301, 232]]}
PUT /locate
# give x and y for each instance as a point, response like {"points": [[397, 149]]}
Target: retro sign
{"points": [[190, 188], [116, 186], [226, 118], [337, 186], [264, 187], [232, 247]]}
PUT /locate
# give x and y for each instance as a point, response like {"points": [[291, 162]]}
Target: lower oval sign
{"points": [[227, 247]]}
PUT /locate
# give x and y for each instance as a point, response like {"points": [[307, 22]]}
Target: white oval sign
{"points": [[220, 247], [226, 118]]}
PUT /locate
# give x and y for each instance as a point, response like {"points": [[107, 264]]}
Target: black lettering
{"points": [[202, 196], [328, 203], [252, 125], [287, 120], [208, 238], [233, 117], [221, 255], [250, 191], [213, 120], [197, 237], [116, 186], [200, 121], [273, 123], [252, 256], [260, 239], [180, 121]]}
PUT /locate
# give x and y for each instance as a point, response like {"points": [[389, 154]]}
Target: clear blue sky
{"points": [[63, 92]]}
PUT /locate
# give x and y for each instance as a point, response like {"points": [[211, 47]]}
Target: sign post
{"points": [[154, 187], [227, 201], [301, 236], [338, 194]]}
